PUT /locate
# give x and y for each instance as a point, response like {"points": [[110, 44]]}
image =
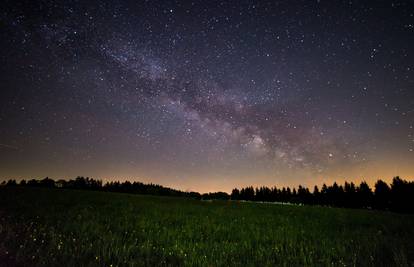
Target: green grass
{"points": [[51, 227]]}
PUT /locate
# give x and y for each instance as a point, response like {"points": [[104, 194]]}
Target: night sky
{"points": [[207, 95]]}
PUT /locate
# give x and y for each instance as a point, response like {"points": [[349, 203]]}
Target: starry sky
{"points": [[207, 95]]}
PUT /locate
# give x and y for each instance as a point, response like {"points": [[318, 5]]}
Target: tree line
{"points": [[397, 196], [87, 183]]}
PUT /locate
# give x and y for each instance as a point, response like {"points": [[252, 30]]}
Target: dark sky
{"points": [[207, 95]]}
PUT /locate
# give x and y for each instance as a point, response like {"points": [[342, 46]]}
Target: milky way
{"points": [[207, 95]]}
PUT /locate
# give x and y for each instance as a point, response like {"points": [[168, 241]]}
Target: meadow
{"points": [[56, 227]]}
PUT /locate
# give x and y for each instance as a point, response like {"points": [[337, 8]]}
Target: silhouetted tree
{"points": [[402, 195], [316, 195], [47, 182], [235, 194], [350, 195], [32, 182], [247, 193], [382, 195], [11, 182], [364, 194]]}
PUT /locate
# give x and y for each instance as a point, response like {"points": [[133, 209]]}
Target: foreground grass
{"points": [[50, 227]]}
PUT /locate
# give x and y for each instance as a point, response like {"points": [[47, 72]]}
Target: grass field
{"points": [[50, 227]]}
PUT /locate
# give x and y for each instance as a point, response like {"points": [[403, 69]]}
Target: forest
{"points": [[397, 196]]}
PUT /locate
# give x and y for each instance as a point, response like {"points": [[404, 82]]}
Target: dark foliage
{"points": [[399, 196], [216, 195], [96, 185]]}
